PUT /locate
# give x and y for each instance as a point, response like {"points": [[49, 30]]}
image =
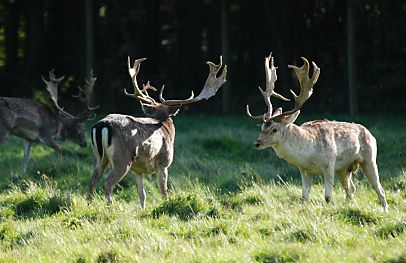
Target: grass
{"points": [[228, 202]]}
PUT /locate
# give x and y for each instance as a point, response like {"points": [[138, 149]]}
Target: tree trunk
{"points": [[34, 10], [225, 91], [351, 60], [11, 48], [89, 47]]}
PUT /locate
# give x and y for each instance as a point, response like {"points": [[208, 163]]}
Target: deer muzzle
{"points": [[257, 144]]}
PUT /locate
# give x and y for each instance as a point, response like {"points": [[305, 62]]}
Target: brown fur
{"points": [[36, 122]]}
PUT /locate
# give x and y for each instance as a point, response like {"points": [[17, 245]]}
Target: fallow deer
{"points": [[316, 147], [143, 145], [34, 121]]}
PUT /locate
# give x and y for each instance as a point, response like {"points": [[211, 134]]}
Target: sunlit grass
{"points": [[228, 202]]}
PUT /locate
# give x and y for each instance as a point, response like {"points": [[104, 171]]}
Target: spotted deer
{"points": [[34, 121], [143, 145], [316, 147]]}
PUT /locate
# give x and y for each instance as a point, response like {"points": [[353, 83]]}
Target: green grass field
{"points": [[228, 203]]}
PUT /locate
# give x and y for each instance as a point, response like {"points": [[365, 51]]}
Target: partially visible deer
{"points": [[34, 121], [327, 147], [143, 145]]}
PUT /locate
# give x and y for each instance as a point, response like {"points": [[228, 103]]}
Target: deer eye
{"points": [[274, 130]]}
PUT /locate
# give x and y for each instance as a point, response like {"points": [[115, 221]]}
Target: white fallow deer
{"points": [[316, 147], [143, 145], [34, 121]]}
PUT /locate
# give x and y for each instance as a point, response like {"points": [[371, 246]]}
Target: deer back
{"points": [[313, 145], [34, 121], [27, 118], [144, 143]]}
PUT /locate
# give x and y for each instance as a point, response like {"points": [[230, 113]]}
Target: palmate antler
{"points": [[86, 92], [210, 88], [52, 88], [140, 95], [271, 77], [306, 88]]}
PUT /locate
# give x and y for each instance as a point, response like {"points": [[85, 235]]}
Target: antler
{"points": [[52, 87], [306, 85], [210, 88], [86, 93], [270, 79], [306, 88], [141, 95]]}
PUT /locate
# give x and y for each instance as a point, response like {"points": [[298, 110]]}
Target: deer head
{"points": [[166, 108], [275, 123], [72, 127]]}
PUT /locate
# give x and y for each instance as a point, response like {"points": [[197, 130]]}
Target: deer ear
{"points": [[173, 110], [277, 112], [148, 109], [290, 118]]}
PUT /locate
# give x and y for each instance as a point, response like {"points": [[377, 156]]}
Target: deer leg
{"points": [[370, 170], [27, 147], [3, 134], [141, 190], [328, 183], [345, 179], [50, 141], [306, 184], [163, 181], [116, 174], [98, 169]]}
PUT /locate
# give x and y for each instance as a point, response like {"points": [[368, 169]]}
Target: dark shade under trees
{"points": [[359, 46]]}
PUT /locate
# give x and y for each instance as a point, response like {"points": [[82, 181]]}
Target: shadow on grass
{"points": [[187, 206], [357, 217], [32, 201], [266, 256]]}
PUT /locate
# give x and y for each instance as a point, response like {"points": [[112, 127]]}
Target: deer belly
{"points": [[28, 134], [145, 156], [142, 166]]}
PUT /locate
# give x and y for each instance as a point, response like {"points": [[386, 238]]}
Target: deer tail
{"points": [[101, 138]]}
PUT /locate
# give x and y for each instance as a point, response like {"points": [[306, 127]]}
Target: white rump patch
{"points": [[108, 150], [105, 137]]}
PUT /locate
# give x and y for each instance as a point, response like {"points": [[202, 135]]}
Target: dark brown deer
{"points": [[143, 145], [34, 121], [317, 147]]}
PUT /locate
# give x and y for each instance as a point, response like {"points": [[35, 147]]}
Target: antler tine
{"points": [[52, 76], [52, 88], [146, 87], [306, 85], [138, 94], [210, 88], [174, 102], [270, 79], [85, 94], [259, 117]]}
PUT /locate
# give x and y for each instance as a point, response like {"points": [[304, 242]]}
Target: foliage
{"points": [[177, 37]]}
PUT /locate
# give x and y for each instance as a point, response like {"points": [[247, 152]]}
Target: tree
{"points": [[351, 60]]}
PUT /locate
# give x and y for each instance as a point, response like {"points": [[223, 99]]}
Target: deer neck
{"points": [[62, 129], [295, 145]]}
